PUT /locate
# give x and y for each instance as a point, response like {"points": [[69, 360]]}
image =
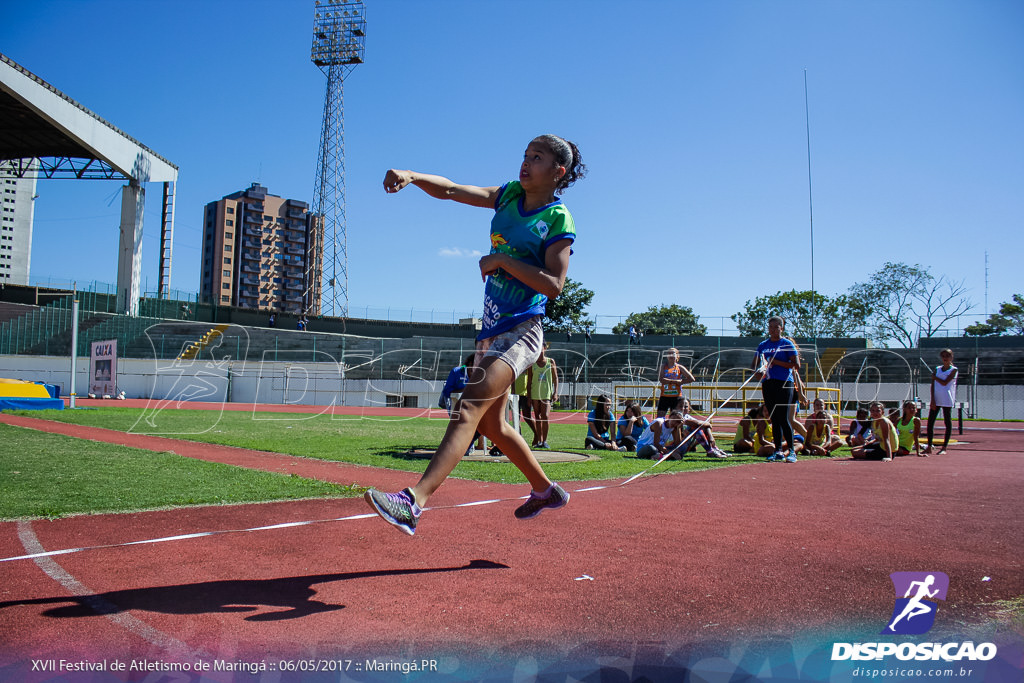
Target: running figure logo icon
{"points": [[914, 612]]}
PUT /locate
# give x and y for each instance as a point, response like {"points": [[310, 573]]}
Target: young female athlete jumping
{"points": [[531, 237]]}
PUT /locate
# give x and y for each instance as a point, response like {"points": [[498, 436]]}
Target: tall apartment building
{"points": [[262, 252], [17, 208]]}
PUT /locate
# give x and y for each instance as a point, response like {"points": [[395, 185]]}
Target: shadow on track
{"points": [[293, 593]]}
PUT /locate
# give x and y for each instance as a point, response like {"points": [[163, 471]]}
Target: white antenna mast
{"points": [[810, 206]]}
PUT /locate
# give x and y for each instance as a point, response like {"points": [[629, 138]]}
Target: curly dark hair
{"points": [[567, 154]]}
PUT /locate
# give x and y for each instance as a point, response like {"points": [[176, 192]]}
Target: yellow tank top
{"points": [[543, 380], [739, 432], [817, 434], [876, 428], [905, 434]]}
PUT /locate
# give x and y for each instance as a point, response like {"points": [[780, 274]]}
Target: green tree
{"points": [[807, 314], [674, 319], [1009, 320], [908, 303], [568, 311]]}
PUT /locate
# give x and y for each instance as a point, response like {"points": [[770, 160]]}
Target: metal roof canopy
{"points": [[44, 133], [37, 120]]}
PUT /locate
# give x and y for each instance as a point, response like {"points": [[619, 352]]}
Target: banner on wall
{"points": [[103, 368]]}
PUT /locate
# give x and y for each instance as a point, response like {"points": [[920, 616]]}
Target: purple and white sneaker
{"points": [[398, 509], [555, 497]]}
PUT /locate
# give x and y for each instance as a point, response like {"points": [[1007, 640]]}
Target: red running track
{"points": [[646, 574]]}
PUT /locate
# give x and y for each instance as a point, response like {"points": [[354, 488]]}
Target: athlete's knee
{"points": [[494, 426], [472, 410]]}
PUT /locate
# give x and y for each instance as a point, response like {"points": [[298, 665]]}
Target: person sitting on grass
{"points": [[746, 431], [663, 436], [883, 441], [700, 427], [821, 438], [908, 431], [764, 436], [859, 430], [765, 439], [631, 426], [799, 401], [599, 423]]}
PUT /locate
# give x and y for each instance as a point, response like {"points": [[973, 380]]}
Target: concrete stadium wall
{"points": [[299, 383]]}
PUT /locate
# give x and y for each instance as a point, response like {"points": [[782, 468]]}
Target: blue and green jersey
{"points": [[524, 236]]}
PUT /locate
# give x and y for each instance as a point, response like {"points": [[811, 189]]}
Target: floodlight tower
{"points": [[339, 32]]}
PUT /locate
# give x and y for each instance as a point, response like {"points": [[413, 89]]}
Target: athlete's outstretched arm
{"points": [[441, 188]]}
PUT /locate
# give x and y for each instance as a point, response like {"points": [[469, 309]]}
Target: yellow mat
{"points": [[19, 388]]}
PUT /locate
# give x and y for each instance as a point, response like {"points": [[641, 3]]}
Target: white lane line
{"points": [[36, 551], [97, 603]]}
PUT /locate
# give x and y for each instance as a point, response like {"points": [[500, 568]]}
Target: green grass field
{"points": [[46, 475], [50, 475]]}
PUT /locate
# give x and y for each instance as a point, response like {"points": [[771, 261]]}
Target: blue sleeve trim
{"points": [[564, 236], [501, 193]]}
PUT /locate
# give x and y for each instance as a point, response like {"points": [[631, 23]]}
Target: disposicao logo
{"points": [[914, 612]]}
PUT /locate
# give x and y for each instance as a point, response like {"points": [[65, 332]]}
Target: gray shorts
{"points": [[519, 347]]}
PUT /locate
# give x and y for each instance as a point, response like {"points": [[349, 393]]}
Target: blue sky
{"points": [[690, 116]]}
